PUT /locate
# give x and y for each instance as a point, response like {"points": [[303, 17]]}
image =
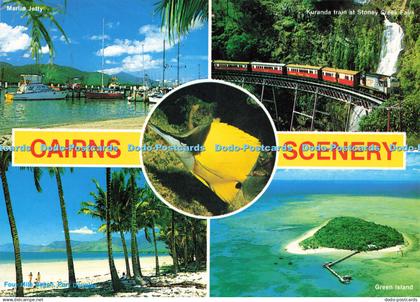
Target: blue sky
{"points": [[411, 173], [129, 24], [38, 215]]}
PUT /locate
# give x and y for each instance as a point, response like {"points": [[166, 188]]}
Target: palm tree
{"points": [[173, 240], [116, 283], [179, 16], [120, 211], [35, 21], [56, 173], [5, 159], [134, 196], [151, 215]]}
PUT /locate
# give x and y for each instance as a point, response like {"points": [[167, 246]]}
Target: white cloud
{"points": [[26, 55], [114, 70], [198, 24], [110, 62], [70, 41], [99, 37], [13, 38], [83, 231], [153, 42], [45, 49], [112, 24], [134, 64]]}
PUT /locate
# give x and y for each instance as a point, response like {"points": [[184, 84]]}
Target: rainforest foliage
{"points": [[404, 107], [288, 31], [350, 233]]}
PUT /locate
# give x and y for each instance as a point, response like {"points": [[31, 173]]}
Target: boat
{"points": [[106, 93], [155, 97], [32, 89]]}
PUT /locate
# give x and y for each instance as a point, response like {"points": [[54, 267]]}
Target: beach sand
{"points": [[130, 123], [295, 248], [93, 279], [123, 123], [85, 269]]}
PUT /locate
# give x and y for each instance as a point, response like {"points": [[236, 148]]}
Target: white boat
{"points": [[155, 97], [36, 91]]}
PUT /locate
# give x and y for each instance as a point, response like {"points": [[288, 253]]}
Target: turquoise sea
{"points": [[27, 257], [247, 249], [18, 114]]}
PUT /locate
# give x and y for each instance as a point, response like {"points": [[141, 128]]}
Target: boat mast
{"points": [[103, 52], [164, 65], [177, 65], [142, 51]]}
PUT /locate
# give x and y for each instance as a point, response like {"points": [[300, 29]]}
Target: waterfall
{"points": [[391, 48], [355, 115]]}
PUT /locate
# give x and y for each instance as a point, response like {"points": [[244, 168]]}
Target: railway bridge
{"points": [[350, 97]]}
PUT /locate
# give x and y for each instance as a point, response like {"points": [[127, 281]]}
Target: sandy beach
{"points": [[131, 123], [93, 279], [86, 270], [295, 248], [123, 123]]}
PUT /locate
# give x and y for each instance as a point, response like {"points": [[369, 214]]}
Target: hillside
{"points": [[350, 233], [57, 74], [88, 246]]}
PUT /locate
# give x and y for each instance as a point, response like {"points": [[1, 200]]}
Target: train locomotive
{"points": [[377, 84]]}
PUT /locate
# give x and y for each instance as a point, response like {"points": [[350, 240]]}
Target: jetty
{"points": [[345, 278]]}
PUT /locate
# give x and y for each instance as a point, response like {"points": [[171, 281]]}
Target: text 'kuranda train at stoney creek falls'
{"points": [[377, 84]]}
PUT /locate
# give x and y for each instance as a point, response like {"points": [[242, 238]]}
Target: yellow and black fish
{"points": [[226, 173]]}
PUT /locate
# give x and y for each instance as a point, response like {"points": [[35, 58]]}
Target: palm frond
{"points": [[35, 21], [179, 16]]}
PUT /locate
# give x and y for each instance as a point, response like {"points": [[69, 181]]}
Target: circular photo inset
{"points": [[208, 149]]}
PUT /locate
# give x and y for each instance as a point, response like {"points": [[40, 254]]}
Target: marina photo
{"points": [[107, 73]]}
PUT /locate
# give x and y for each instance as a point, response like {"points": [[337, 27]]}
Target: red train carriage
{"points": [[306, 71], [342, 76], [274, 68], [230, 65]]}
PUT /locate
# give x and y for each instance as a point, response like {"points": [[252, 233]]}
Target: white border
{"points": [[273, 172], [343, 167], [108, 165], [209, 50]]}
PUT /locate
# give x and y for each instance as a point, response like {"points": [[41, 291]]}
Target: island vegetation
{"points": [[351, 233]]}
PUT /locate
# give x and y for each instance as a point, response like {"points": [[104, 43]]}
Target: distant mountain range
{"points": [[87, 246], [57, 74]]}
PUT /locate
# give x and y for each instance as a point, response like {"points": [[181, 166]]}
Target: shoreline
{"points": [[128, 123], [94, 280], [87, 270], [294, 247]]}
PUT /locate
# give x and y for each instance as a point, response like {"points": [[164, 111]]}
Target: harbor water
{"points": [[50, 113]]}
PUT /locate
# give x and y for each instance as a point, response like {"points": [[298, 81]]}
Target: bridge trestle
{"points": [[350, 97]]}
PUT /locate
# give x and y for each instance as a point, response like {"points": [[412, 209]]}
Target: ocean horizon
{"points": [[33, 257]]}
